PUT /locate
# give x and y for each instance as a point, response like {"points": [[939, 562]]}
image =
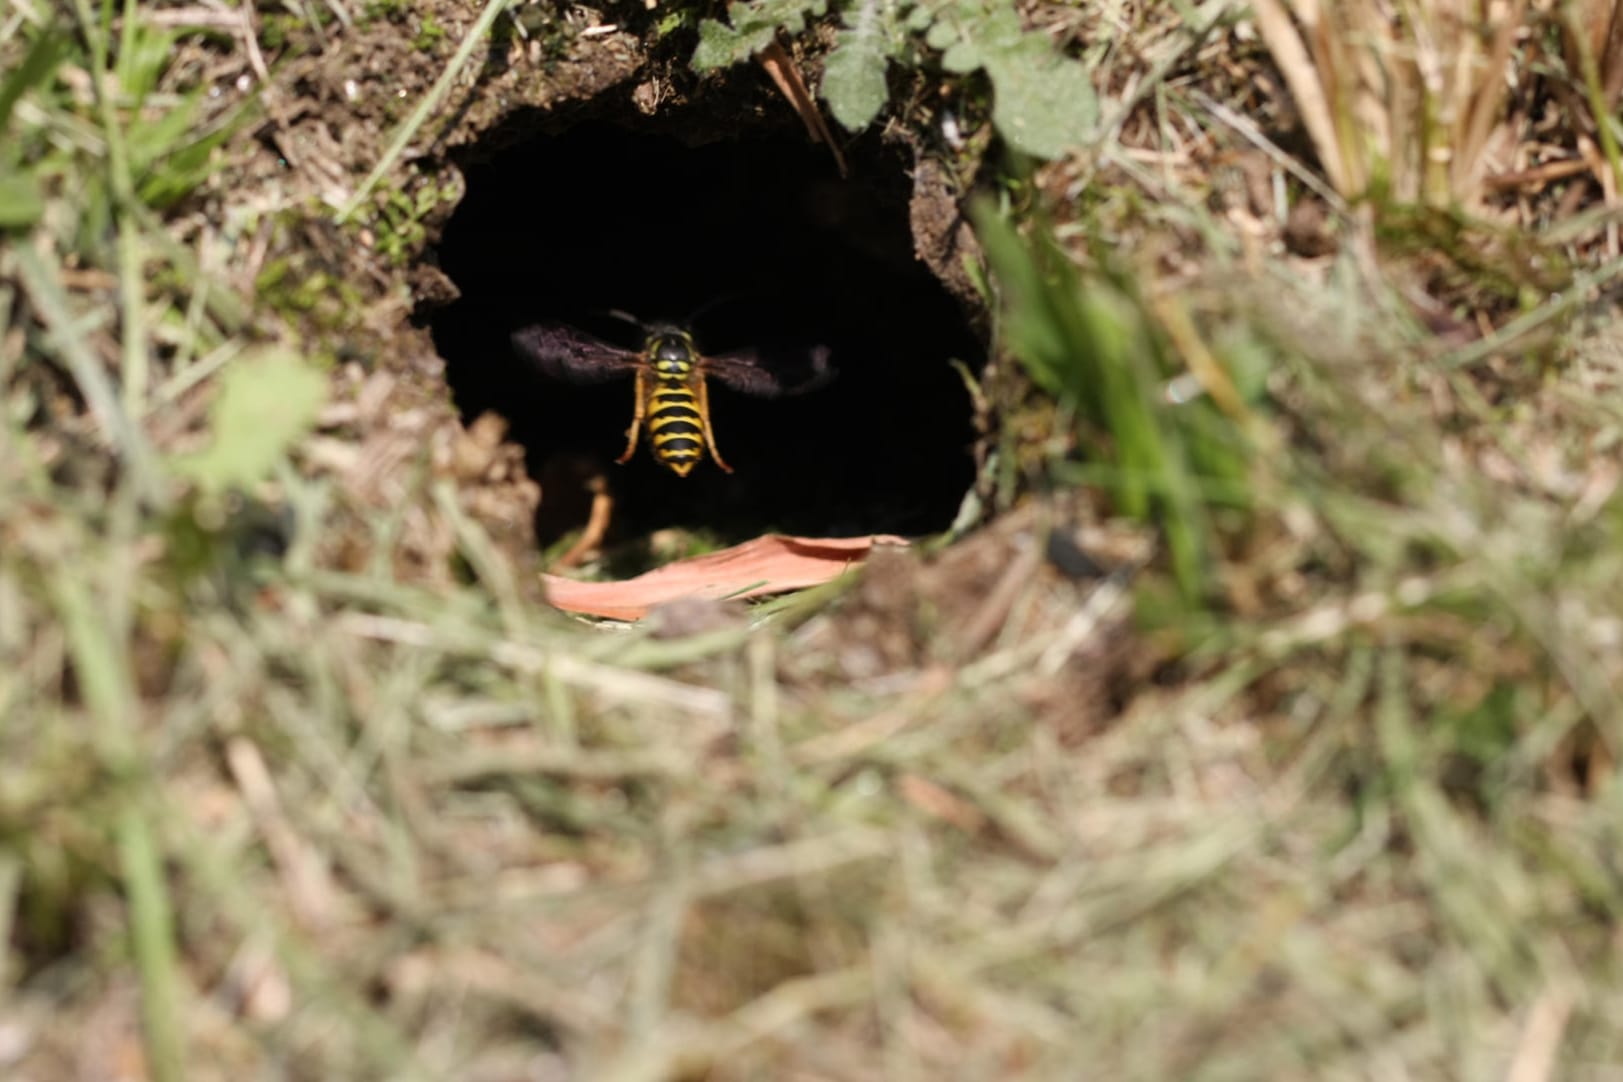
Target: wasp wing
{"points": [[573, 356], [771, 372]]}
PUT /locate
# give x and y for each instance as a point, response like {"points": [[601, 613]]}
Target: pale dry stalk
{"points": [[1405, 97]]}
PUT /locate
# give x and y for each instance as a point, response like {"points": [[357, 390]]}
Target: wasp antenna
{"points": [[627, 317], [716, 302]]}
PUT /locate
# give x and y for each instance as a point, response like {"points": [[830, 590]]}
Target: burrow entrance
{"points": [[754, 240]]}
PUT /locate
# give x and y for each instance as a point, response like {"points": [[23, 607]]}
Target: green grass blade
{"points": [[152, 937], [38, 64], [1094, 347], [51, 300], [102, 667], [420, 113]]}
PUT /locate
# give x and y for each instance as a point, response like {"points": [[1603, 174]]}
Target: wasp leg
{"points": [[636, 421], [709, 433]]}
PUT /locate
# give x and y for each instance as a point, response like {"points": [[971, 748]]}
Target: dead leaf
{"points": [[772, 564]]}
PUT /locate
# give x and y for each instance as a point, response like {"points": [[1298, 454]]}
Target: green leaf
{"points": [[268, 400], [942, 34], [1043, 103], [854, 73], [752, 28], [21, 202], [720, 46], [963, 57], [999, 31]]}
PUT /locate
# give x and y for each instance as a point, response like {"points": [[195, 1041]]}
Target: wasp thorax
{"points": [[671, 353]]}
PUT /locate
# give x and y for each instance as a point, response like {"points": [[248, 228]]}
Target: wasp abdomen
{"points": [[675, 426]]}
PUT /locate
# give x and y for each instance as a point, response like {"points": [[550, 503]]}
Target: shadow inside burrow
{"points": [[754, 241]]}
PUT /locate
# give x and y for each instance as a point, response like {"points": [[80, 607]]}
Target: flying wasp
{"points": [[671, 374]]}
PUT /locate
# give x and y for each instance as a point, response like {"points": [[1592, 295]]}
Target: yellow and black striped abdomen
{"points": [[675, 424]]}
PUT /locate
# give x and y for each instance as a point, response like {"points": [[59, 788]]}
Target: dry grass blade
{"points": [[617, 684], [786, 75], [491, 974], [1487, 99], [807, 858], [688, 1048], [1304, 79], [1540, 1044], [1611, 50], [1247, 128], [509, 760], [309, 887], [1415, 101]]}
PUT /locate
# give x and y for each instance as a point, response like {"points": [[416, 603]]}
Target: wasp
{"points": [[671, 375]]}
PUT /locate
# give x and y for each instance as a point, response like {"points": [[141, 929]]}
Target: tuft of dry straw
{"points": [[1410, 96]]}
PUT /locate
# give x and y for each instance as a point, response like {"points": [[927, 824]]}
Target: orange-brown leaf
{"points": [[767, 565]]}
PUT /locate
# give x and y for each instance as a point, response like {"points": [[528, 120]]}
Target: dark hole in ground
{"points": [[762, 239]]}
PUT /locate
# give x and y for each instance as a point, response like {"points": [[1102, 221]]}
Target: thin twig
{"points": [[1252, 134], [1557, 306]]}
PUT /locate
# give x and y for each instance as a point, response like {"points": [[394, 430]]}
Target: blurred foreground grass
{"points": [[297, 780]]}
